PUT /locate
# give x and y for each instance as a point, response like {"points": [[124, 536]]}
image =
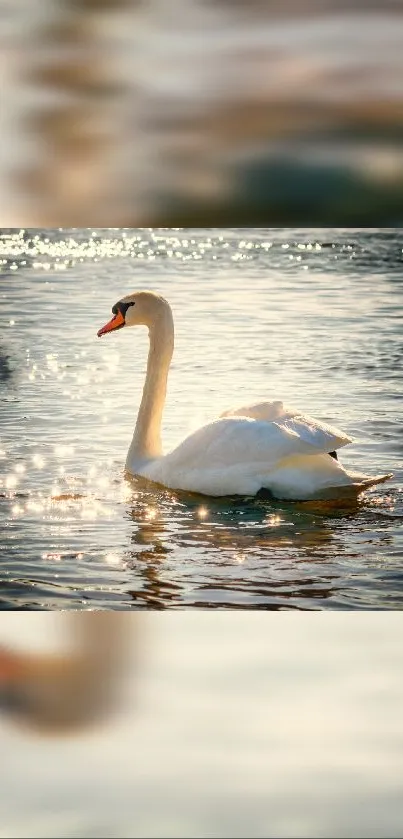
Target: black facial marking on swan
{"points": [[121, 307]]}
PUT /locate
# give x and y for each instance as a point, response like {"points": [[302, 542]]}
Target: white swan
{"points": [[258, 447]]}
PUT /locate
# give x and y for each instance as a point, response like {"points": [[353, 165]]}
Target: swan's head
{"points": [[143, 308]]}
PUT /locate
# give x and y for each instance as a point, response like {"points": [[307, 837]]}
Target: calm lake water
{"points": [[312, 317]]}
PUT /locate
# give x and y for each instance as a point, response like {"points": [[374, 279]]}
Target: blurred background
{"points": [[201, 112], [221, 724]]}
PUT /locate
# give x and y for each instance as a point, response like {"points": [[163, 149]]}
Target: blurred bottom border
{"points": [[219, 723]]}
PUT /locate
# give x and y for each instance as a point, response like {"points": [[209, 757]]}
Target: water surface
{"points": [[312, 317]]}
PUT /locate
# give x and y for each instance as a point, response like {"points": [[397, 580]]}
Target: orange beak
{"points": [[116, 323]]}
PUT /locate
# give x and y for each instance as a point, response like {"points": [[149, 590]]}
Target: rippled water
{"points": [[312, 317]]}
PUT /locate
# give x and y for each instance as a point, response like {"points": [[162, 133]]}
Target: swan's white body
{"points": [[263, 446]]}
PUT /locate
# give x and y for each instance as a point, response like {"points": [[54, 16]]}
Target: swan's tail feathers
{"points": [[348, 493], [351, 491], [365, 482]]}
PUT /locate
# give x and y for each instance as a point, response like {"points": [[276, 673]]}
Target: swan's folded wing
{"points": [[323, 437], [268, 411], [241, 440], [239, 455]]}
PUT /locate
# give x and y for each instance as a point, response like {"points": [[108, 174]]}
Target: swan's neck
{"points": [[146, 441]]}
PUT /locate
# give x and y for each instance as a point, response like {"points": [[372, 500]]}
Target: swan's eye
{"points": [[121, 307]]}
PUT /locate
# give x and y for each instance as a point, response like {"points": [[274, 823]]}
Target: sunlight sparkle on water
{"points": [[63, 451], [126, 492], [273, 521], [38, 461], [17, 510], [35, 507], [112, 559]]}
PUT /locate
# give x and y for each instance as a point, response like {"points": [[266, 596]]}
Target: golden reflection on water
{"points": [[273, 520], [267, 541], [173, 533]]}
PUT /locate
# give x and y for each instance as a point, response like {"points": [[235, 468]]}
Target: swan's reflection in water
{"points": [[232, 552]]}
